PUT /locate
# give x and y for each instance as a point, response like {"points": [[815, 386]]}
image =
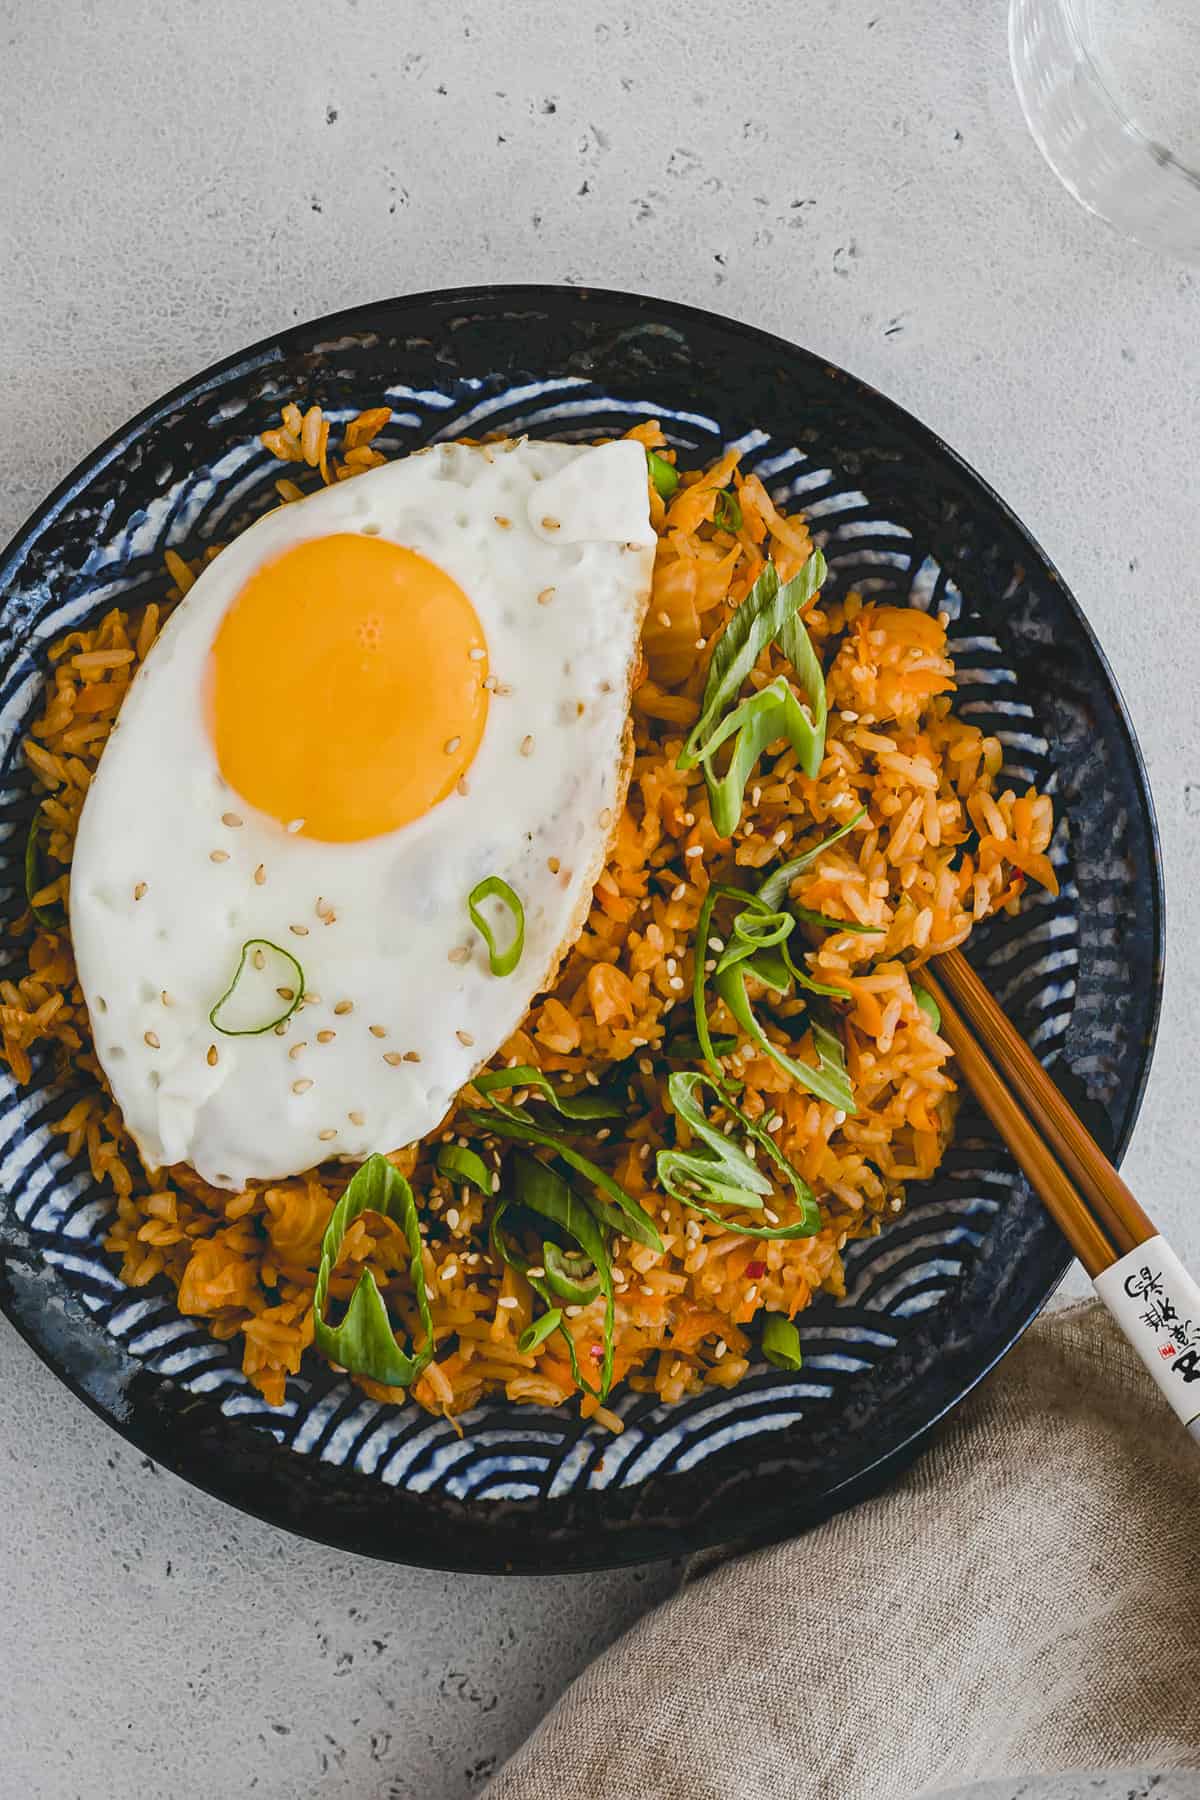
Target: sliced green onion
{"points": [[830, 1080], [769, 611], [273, 995], [716, 1172], [617, 1209], [797, 646], [687, 1047], [755, 623], [727, 513], [774, 712], [540, 1330], [758, 940], [502, 962], [663, 474], [781, 1342], [461, 1164], [928, 1005], [46, 916], [543, 1191], [365, 1342], [825, 922], [570, 1275], [587, 1104], [774, 890]]}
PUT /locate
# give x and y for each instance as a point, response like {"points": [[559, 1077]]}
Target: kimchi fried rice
{"points": [[934, 843]]}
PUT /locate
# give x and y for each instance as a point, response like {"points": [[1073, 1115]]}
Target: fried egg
{"points": [[373, 700]]}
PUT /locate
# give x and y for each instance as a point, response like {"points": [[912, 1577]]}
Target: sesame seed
{"points": [[503, 687], [393, 1058], [281, 1027], [780, 837], [412, 1056], [377, 1030], [449, 1272], [357, 1118], [462, 786], [295, 825], [664, 619], [851, 718], [537, 1273], [716, 943], [452, 1217], [592, 1079], [678, 892], [298, 930], [550, 524], [260, 874], [546, 596], [301, 1087], [752, 1292], [696, 850], [325, 1136], [490, 684], [258, 959], [648, 1291], [218, 856], [645, 1065], [296, 1049], [231, 819], [464, 1037], [326, 1037], [504, 524], [701, 643], [605, 819], [211, 1058], [451, 745], [151, 1038], [755, 796], [459, 954], [476, 655], [527, 746], [507, 1301], [720, 1350], [495, 1184], [139, 890], [672, 965], [839, 1118], [676, 983], [165, 997], [772, 1218], [344, 1006]]}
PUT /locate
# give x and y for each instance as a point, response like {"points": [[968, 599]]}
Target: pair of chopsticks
{"points": [[1135, 1272]]}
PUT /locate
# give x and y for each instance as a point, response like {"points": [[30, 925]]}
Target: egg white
{"points": [[158, 925]]}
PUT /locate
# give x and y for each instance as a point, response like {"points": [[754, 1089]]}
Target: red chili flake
{"points": [[755, 1269]]}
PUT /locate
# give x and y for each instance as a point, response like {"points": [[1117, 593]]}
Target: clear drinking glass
{"points": [[1111, 92]]}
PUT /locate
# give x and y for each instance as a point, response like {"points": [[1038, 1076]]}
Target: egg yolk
{"points": [[347, 687]]}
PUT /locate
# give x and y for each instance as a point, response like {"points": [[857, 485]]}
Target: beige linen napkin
{"points": [[1026, 1599]]}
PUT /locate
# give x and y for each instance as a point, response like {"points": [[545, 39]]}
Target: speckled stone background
{"points": [[182, 176]]}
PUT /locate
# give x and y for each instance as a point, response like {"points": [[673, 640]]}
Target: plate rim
{"points": [[540, 295]]}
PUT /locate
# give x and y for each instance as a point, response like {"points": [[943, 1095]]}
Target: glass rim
{"points": [[1159, 153]]}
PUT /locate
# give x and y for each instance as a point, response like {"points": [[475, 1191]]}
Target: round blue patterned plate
{"points": [[932, 1303]]}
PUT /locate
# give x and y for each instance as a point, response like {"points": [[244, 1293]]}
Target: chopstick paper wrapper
{"points": [[1157, 1305]]}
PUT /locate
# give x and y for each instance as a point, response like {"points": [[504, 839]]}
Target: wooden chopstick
{"points": [[1016, 1127], [1140, 1279], [1110, 1201]]}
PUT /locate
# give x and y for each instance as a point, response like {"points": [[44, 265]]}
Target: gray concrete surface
{"points": [[182, 177]]}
